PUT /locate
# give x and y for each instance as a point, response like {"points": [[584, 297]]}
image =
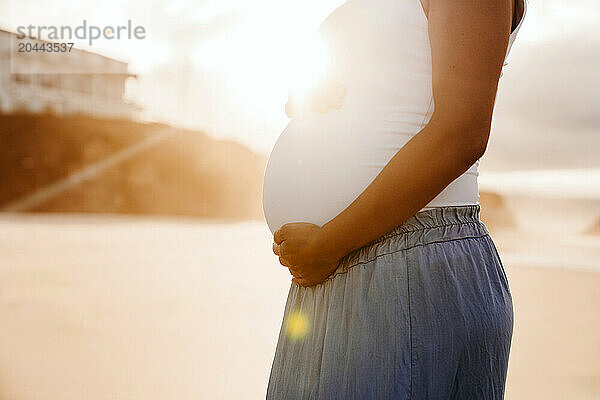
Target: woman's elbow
{"points": [[467, 137], [475, 141], [469, 143]]}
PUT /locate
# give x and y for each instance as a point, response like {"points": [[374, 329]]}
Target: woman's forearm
{"points": [[417, 173]]}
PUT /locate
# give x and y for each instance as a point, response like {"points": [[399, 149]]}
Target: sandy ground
{"points": [[132, 308], [556, 342]]}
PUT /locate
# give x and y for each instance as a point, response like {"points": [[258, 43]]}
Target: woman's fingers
{"points": [[321, 100], [289, 110], [338, 104], [283, 261], [301, 281], [281, 248], [280, 234], [295, 273], [339, 90], [297, 277], [331, 96]]}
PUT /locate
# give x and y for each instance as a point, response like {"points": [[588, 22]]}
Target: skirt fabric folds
{"points": [[423, 312]]}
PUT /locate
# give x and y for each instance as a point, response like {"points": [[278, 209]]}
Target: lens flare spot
{"points": [[298, 325]]}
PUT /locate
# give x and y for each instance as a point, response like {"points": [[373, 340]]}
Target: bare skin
{"points": [[468, 41]]}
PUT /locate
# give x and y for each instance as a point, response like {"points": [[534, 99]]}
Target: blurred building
{"points": [[74, 82]]}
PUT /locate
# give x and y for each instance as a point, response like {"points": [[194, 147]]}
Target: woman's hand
{"points": [[303, 248], [325, 96]]}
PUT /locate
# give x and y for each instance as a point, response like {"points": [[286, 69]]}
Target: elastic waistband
{"points": [[435, 225], [435, 217]]}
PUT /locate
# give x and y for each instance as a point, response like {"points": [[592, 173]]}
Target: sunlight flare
{"points": [[298, 325], [308, 65]]}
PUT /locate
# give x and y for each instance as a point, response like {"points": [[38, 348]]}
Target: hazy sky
{"points": [[224, 66]]}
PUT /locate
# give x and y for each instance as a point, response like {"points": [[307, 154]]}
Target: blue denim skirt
{"points": [[423, 312]]}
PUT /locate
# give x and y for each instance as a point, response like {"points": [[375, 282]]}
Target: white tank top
{"points": [[380, 51]]}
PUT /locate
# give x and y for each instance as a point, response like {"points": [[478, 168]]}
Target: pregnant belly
{"points": [[320, 165]]}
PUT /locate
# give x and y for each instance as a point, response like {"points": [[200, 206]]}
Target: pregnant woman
{"points": [[398, 291]]}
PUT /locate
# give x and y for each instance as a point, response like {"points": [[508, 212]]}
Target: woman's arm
{"points": [[468, 41]]}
